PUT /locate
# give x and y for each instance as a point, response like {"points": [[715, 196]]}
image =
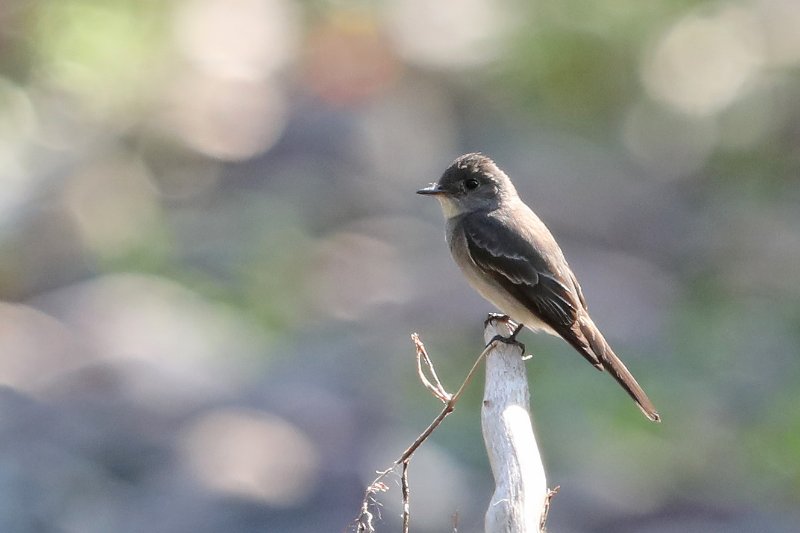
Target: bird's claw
{"points": [[500, 317], [511, 340], [515, 329]]}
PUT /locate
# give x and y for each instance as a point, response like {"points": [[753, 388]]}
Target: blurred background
{"points": [[212, 257]]}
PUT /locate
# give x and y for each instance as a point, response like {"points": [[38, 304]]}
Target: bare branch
{"points": [[436, 387], [448, 408], [364, 522]]}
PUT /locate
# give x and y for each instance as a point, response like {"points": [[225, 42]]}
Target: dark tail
{"points": [[616, 368]]}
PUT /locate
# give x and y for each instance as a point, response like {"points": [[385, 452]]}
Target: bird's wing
{"points": [[578, 290], [524, 271], [537, 275]]}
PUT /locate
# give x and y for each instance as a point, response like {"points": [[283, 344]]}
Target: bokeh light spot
{"points": [[245, 39], [452, 34], [228, 119], [705, 61], [348, 59], [253, 455]]}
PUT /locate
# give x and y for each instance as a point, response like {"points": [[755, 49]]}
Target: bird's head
{"points": [[471, 183]]}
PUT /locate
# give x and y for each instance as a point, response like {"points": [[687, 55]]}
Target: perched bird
{"points": [[510, 257]]}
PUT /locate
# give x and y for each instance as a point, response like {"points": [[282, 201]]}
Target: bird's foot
{"points": [[511, 339], [500, 317]]}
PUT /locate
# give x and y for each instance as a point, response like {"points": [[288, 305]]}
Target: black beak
{"points": [[432, 189]]}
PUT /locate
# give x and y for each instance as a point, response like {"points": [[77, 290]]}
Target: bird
{"points": [[511, 259]]}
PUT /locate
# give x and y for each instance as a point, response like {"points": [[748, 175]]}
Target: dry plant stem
{"points": [[364, 520], [550, 494], [449, 405], [436, 388]]}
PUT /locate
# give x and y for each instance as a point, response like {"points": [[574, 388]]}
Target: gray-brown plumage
{"points": [[510, 257]]}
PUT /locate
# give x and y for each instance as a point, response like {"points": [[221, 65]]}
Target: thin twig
{"points": [[550, 494], [364, 522], [436, 388], [448, 408]]}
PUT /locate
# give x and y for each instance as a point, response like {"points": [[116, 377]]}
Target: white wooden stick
{"points": [[518, 502]]}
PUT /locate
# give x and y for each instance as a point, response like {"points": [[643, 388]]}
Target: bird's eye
{"points": [[471, 184]]}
